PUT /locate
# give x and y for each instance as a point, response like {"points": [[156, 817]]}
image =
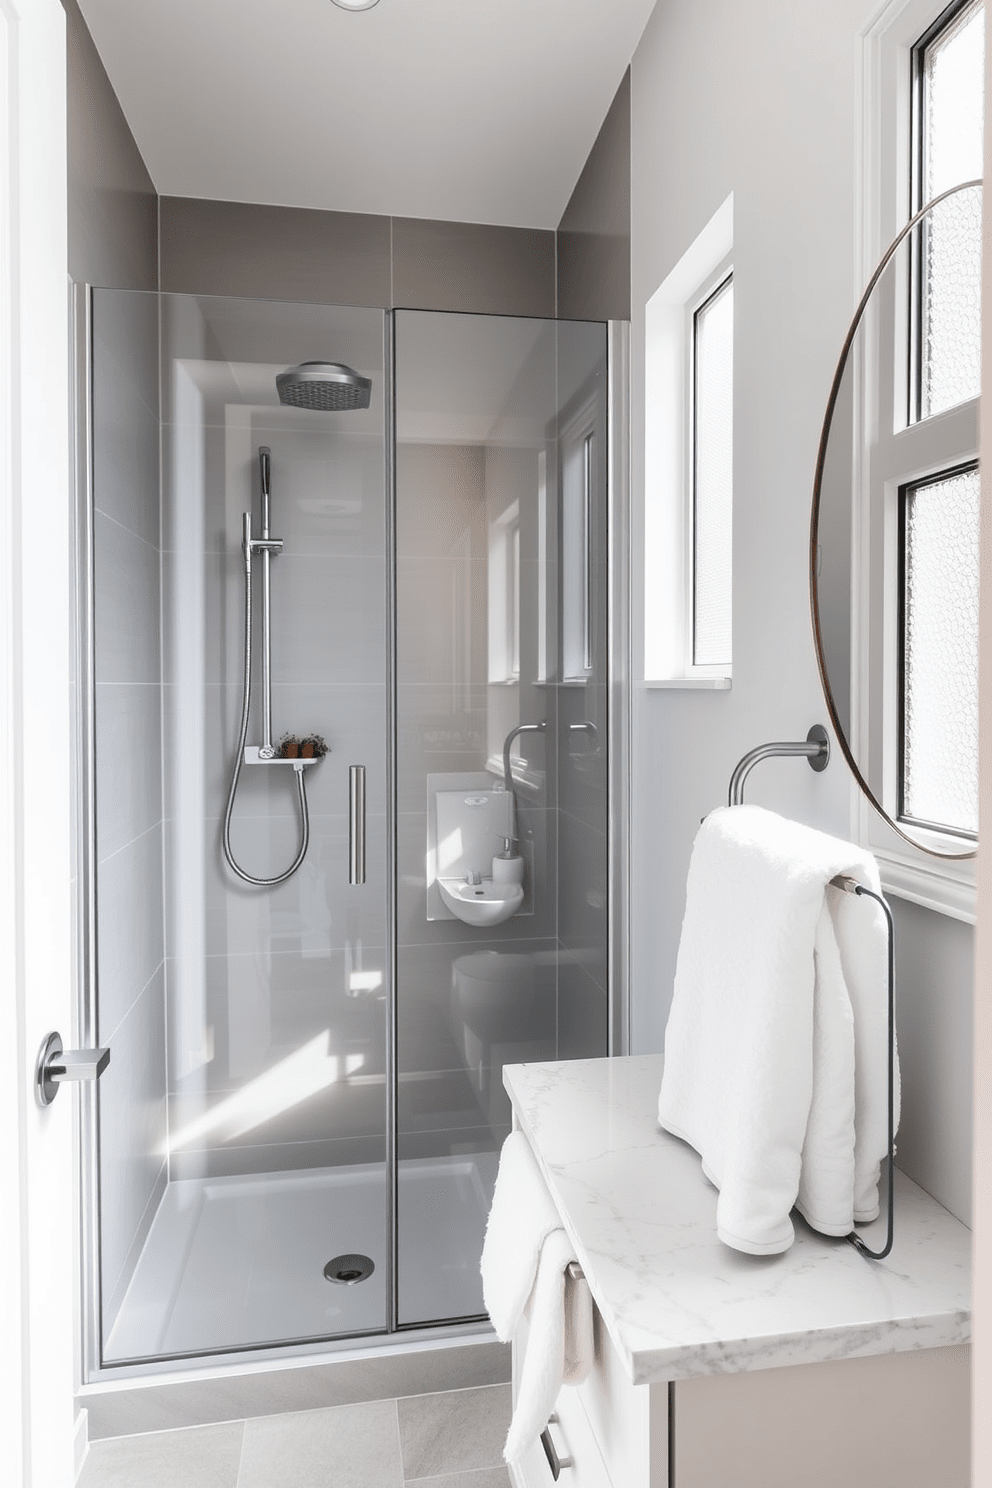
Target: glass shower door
{"points": [[501, 733], [243, 1184]]}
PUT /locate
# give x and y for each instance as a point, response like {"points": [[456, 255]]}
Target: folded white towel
{"points": [[775, 1051], [525, 1262]]}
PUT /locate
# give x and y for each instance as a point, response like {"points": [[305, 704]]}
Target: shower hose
{"points": [[249, 878]]}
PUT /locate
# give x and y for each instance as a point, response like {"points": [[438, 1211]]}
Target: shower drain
{"points": [[349, 1269]]}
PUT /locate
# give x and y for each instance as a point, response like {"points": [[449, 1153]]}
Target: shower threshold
{"points": [[238, 1262]]}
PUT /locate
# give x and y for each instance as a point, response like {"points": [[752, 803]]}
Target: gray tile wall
{"points": [[257, 977], [343, 258], [594, 232], [130, 933], [113, 208]]}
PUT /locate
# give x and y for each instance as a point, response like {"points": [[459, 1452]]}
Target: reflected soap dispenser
{"points": [[508, 866]]}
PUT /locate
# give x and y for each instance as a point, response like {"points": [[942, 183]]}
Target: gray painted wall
{"points": [[594, 232], [113, 208], [713, 110]]}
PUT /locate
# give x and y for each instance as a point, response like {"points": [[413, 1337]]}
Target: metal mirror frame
{"points": [[821, 456]]}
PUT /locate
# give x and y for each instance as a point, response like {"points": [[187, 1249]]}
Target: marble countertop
{"points": [[679, 1303]]}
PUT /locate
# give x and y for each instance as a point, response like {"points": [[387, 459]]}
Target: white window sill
{"points": [[710, 684]]}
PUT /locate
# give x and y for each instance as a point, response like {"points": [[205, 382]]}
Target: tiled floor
{"points": [[454, 1440]]}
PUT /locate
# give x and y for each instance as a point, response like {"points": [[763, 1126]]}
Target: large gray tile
{"points": [[126, 431], [328, 618], [280, 1112], [455, 1432], [327, 483], [350, 1446], [199, 1457], [130, 938], [128, 763], [487, 1477], [583, 1012], [125, 333], [459, 1006], [473, 268], [459, 1142], [442, 622], [201, 733], [268, 252], [132, 1127], [594, 231], [306, 1386], [441, 500], [314, 911], [261, 1009], [126, 605], [583, 855], [283, 1157]]}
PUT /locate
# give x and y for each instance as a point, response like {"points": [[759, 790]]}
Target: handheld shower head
{"points": [[265, 467], [325, 387]]}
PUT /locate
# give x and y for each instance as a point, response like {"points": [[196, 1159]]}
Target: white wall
{"points": [[764, 101]]}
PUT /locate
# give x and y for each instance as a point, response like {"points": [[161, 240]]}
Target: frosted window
{"points": [[940, 652], [713, 477], [952, 112]]}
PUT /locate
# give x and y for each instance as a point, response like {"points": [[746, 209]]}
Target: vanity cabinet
{"points": [[896, 1421], [816, 1368]]}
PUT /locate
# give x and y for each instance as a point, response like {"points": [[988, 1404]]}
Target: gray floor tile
{"points": [[454, 1433], [487, 1477], [198, 1457], [347, 1446]]}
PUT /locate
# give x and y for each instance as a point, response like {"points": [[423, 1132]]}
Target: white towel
{"points": [[775, 1051], [525, 1262], [522, 1215]]}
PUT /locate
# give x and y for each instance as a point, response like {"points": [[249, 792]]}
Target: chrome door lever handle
{"points": [[56, 1065]]}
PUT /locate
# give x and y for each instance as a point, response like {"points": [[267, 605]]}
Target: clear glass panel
{"points": [[246, 1148], [713, 420], [953, 115], [940, 652], [489, 412]]}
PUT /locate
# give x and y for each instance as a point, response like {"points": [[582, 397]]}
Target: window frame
{"points": [[892, 139], [708, 291], [664, 640]]}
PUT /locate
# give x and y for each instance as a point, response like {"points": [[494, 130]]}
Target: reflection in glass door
{"points": [[243, 1129], [311, 976], [501, 756]]}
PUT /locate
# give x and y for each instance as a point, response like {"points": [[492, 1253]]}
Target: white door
{"points": [[37, 1249]]}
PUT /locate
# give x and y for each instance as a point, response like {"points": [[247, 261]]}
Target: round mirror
{"points": [[894, 531]]}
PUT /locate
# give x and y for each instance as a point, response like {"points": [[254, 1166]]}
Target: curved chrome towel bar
{"points": [[815, 747]]}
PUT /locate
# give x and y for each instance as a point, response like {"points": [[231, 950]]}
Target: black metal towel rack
{"points": [[815, 748]]}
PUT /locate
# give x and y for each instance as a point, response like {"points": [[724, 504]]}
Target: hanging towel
{"points": [[525, 1262], [522, 1216], [776, 1046]]}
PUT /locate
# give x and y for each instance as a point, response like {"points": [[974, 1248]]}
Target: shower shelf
{"points": [[253, 756]]}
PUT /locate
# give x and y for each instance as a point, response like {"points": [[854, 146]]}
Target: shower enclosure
{"points": [[297, 1137]]}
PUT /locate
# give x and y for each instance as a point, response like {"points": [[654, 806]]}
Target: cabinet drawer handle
{"points": [[556, 1460]]}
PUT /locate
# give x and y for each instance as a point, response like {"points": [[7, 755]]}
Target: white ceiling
{"points": [[467, 110]]}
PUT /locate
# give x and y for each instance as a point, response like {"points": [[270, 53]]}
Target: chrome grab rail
{"points": [[521, 728], [356, 780]]}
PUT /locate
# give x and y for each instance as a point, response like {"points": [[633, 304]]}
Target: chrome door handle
{"points": [[356, 873], [556, 1460], [56, 1065]]}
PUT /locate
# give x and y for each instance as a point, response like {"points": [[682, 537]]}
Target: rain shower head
{"points": [[326, 387]]}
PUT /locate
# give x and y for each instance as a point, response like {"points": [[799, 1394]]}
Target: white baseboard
{"points": [[80, 1441]]}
